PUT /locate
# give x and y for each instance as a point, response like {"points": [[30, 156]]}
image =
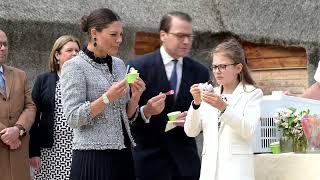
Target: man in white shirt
{"points": [[313, 92], [171, 155]]}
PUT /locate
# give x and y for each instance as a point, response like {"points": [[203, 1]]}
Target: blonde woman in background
{"points": [[50, 148], [227, 116]]}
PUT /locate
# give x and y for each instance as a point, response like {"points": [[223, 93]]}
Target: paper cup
{"points": [[275, 148], [131, 77], [173, 115]]}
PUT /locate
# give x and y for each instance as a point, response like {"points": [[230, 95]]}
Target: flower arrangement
{"points": [[289, 121]]}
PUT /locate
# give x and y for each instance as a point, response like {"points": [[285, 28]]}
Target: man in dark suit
{"points": [[167, 155]]}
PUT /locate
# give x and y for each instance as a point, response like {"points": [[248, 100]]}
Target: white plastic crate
{"points": [[266, 131]]}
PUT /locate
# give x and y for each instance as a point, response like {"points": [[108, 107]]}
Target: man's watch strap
{"points": [[22, 130]]}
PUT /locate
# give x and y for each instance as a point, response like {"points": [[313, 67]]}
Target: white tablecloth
{"points": [[287, 166]]}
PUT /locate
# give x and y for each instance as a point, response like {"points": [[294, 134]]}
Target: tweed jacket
{"points": [[83, 81]]}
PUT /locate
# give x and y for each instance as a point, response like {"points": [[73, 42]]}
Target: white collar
{"points": [[1, 69], [59, 73], [166, 58]]}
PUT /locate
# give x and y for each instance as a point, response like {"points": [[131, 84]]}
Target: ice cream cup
{"points": [[275, 148], [173, 115], [131, 77]]}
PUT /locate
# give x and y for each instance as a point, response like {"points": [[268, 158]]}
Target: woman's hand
{"points": [[214, 100], [35, 162], [117, 90], [196, 94], [137, 88]]}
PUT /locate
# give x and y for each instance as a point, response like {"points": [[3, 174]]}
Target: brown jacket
{"points": [[17, 108]]}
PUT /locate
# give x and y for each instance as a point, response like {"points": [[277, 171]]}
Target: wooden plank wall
{"points": [[262, 56], [277, 68], [146, 42]]}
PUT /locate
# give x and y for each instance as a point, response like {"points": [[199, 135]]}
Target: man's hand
{"points": [[15, 145], [10, 135], [154, 105], [181, 119]]}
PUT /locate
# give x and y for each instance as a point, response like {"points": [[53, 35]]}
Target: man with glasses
{"points": [[167, 155], [17, 113]]}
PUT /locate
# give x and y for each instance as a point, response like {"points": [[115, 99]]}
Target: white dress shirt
{"points": [[1, 69], [317, 75], [168, 65]]}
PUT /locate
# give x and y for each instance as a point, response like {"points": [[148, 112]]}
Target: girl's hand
{"points": [[196, 94], [214, 100]]}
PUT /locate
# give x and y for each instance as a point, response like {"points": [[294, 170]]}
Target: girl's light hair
{"points": [[233, 50], [57, 46]]}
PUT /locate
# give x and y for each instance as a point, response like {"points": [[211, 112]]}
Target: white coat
{"points": [[227, 153]]}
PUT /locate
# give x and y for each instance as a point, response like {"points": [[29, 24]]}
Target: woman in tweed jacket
{"points": [[96, 104]]}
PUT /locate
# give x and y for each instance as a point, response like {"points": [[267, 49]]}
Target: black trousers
{"points": [[172, 174]]}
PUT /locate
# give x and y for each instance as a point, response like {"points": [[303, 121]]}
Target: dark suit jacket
{"points": [[43, 95], [156, 149]]}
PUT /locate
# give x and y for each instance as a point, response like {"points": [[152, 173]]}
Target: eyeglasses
{"points": [[5, 45], [182, 36], [221, 67]]}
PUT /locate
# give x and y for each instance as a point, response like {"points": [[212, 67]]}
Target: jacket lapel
{"points": [[8, 75], [236, 96], [52, 86], [186, 80]]}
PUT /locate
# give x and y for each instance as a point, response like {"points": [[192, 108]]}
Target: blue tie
{"points": [[174, 76], [2, 84]]}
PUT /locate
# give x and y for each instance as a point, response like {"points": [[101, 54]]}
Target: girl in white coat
{"points": [[227, 116]]}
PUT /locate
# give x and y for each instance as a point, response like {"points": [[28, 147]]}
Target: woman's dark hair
{"points": [[99, 19], [165, 23], [233, 50]]}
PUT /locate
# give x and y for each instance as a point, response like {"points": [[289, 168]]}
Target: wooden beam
{"points": [[277, 63], [269, 51], [146, 42]]}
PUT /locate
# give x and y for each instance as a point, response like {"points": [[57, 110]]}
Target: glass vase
{"points": [[313, 149], [299, 145], [286, 144]]}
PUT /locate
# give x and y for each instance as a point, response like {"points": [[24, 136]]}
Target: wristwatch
{"points": [[105, 98], [22, 130]]}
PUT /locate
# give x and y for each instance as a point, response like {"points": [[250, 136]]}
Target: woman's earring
{"points": [[95, 42], [58, 61]]}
